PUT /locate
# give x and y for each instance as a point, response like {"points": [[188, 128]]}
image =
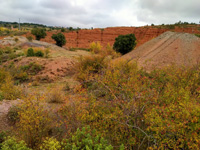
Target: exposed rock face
{"points": [[83, 38]]}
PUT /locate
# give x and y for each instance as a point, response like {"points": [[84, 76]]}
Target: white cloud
{"points": [[100, 13]]}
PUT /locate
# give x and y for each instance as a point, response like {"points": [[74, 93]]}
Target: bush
{"points": [[95, 47], [39, 54], [124, 43], [34, 121], [59, 38], [13, 115], [2, 138], [30, 38], [32, 68], [88, 66], [39, 33], [50, 144], [46, 52], [11, 144], [3, 75], [55, 96], [17, 73], [63, 30], [30, 52], [198, 35], [9, 90], [86, 139], [66, 87]]}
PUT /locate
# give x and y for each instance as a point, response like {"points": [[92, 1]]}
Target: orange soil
{"points": [[83, 38], [181, 49]]}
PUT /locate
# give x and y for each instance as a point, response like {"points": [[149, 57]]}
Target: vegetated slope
{"points": [[168, 48], [59, 64]]}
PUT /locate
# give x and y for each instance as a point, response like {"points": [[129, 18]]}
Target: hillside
{"points": [[182, 49], [51, 94], [83, 38]]}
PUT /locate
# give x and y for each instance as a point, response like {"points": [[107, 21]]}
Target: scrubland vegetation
{"points": [[116, 105]]}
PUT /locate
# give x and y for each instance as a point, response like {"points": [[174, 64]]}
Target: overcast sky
{"points": [[100, 13]]}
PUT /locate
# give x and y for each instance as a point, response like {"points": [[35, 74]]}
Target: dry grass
{"points": [[56, 96]]}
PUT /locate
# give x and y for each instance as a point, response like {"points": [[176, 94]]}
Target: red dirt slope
{"points": [[83, 38], [168, 48]]}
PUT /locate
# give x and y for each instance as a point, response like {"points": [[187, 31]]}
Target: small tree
{"points": [[30, 52], [124, 43], [59, 38], [39, 33], [63, 30]]}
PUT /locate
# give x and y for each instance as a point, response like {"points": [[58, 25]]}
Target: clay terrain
{"points": [[169, 48], [59, 64], [156, 48], [57, 69], [83, 38]]}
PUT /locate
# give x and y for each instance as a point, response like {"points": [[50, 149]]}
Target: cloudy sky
{"points": [[100, 13]]}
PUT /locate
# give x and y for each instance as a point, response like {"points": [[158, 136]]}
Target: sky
{"points": [[100, 13]]}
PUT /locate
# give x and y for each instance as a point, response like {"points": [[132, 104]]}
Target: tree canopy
{"points": [[124, 43], [59, 38], [39, 33]]}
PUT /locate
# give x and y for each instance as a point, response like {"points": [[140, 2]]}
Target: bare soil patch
{"points": [[182, 49]]}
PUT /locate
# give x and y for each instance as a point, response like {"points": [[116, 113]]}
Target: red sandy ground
{"points": [[181, 49]]}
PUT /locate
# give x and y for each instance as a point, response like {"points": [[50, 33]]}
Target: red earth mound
{"points": [[53, 68], [181, 49]]}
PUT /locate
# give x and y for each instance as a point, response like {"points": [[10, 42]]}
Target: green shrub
{"points": [[32, 68], [17, 73], [11, 144], [63, 30], [39, 33], [3, 75], [198, 35], [50, 144], [124, 43], [30, 38], [88, 66], [30, 52], [39, 54], [2, 138], [59, 38], [21, 76], [34, 121], [86, 139], [9, 90]]}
